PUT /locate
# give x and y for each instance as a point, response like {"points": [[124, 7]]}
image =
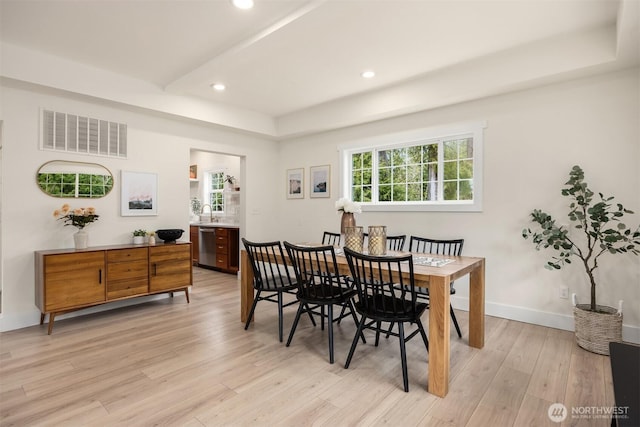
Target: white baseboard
{"points": [[9, 322], [630, 333]]}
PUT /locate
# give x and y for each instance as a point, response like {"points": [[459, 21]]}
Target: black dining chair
{"points": [[329, 238], [394, 243], [320, 287], [271, 277], [438, 247], [380, 300]]}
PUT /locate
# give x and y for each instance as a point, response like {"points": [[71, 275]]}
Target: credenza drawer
{"points": [[127, 288], [123, 255], [127, 270]]}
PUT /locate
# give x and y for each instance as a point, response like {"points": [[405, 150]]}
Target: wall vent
{"points": [[83, 135]]}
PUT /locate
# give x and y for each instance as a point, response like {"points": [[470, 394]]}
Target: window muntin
{"points": [[430, 170], [59, 178], [215, 187], [79, 185], [361, 173]]}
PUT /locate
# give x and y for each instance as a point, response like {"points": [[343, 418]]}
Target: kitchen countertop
{"points": [[214, 224]]}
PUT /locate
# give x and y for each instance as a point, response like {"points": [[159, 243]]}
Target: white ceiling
{"points": [[294, 66]]}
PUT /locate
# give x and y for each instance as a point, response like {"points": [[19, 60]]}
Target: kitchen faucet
{"points": [[210, 211]]}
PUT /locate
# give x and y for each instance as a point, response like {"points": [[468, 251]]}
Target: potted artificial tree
{"points": [[601, 232]]}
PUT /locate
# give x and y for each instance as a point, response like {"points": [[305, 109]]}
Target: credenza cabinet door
{"points": [[169, 267], [73, 280]]}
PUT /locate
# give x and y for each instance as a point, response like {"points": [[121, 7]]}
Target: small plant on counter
{"points": [[196, 206], [139, 233]]}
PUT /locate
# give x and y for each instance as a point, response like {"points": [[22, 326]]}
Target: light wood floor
{"points": [[167, 362]]}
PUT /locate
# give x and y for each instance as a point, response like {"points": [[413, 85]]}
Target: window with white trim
{"points": [[214, 187], [428, 169]]}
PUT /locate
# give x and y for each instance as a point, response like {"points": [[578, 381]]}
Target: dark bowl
{"points": [[169, 235]]}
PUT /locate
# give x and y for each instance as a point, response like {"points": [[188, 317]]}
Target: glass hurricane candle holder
{"points": [[377, 240], [354, 238]]}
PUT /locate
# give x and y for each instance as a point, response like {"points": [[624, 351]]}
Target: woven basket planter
{"points": [[596, 329]]}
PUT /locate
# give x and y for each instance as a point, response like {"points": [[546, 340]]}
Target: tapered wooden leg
{"points": [[439, 330], [52, 316], [42, 315], [186, 294], [246, 286]]}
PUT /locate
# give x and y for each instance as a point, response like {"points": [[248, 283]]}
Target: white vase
{"points": [[138, 240], [81, 239]]}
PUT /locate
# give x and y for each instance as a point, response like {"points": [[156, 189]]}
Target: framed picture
{"points": [[193, 172], [139, 194], [320, 181], [295, 183]]}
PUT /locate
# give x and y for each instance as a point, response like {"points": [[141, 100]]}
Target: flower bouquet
{"points": [[79, 217], [346, 205]]}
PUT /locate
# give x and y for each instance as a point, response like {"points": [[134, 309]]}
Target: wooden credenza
{"points": [[71, 279]]}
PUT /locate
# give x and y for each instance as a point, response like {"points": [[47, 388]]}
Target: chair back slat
{"points": [[317, 271], [329, 238], [268, 263], [396, 243], [385, 285], [452, 247]]}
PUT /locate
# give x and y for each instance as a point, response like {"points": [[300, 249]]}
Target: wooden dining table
{"points": [[437, 279]]}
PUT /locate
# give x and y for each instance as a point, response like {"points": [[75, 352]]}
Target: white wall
{"points": [[532, 140], [156, 143]]}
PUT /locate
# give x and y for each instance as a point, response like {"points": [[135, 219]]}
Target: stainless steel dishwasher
{"points": [[207, 247]]}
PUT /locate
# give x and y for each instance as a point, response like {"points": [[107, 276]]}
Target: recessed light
{"points": [[218, 86], [368, 74], [243, 4]]}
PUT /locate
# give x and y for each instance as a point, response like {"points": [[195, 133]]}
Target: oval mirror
{"points": [[61, 178]]}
